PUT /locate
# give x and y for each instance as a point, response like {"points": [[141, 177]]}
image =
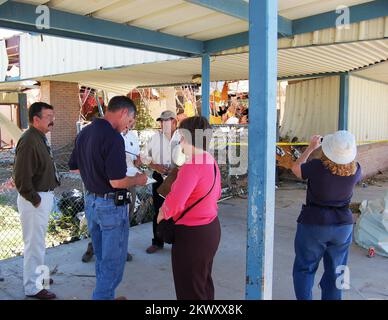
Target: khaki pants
{"points": [[34, 225]]}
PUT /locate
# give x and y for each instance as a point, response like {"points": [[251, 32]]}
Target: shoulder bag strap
{"points": [[198, 201]]}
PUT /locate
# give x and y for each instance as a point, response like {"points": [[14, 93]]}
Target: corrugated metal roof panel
{"points": [[83, 7], [296, 9], [331, 58], [365, 30], [292, 62], [311, 108], [47, 55], [127, 11], [178, 17], [368, 109], [378, 72]]}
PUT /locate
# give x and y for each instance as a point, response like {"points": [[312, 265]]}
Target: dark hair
{"points": [[121, 102], [191, 125], [36, 110]]}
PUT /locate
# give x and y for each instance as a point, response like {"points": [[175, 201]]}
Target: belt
{"points": [[327, 207], [110, 195]]}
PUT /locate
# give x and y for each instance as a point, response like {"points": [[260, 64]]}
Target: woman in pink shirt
{"points": [[197, 234]]}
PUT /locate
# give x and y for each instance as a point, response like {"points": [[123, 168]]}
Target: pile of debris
{"points": [[7, 157], [372, 226]]}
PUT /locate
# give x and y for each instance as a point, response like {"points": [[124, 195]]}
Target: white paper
{"points": [[132, 171]]}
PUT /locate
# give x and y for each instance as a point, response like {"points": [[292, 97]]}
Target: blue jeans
{"points": [[312, 242], [109, 228]]}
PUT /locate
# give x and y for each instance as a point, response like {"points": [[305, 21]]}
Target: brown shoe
{"points": [[121, 298], [44, 295], [153, 249]]}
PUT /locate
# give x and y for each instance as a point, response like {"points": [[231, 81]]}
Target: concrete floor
{"points": [[149, 276]]}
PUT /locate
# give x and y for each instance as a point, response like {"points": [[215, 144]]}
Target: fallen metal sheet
{"points": [[372, 226]]}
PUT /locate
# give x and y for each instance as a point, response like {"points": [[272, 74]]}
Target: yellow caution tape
{"points": [[307, 143], [291, 143]]}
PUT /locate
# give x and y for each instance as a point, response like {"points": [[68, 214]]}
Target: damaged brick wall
{"points": [[373, 158]]}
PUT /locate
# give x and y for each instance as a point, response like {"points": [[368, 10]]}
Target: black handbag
{"points": [[165, 230]]}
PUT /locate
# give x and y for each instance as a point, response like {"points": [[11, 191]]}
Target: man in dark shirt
{"points": [[99, 156], [35, 178]]}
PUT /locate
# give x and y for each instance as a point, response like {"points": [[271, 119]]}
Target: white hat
{"points": [[340, 147]]}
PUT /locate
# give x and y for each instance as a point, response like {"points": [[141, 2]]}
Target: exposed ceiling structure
{"points": [[292, 62], [195, 25], [184, 18], [378, 72]]}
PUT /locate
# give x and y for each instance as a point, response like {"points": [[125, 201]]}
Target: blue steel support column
{"points": [[261, 154], [344, 102], [205, 87]]}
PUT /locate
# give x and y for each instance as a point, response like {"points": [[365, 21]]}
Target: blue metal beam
{"points": [[21, 16], [344, 102], [240, 9], [366, 11], [371, 10], [285, 27], [238, 40], [205, 87], [235, 8], [226, 43], [261, 152]]}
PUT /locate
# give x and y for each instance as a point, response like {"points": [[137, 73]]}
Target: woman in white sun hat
{"points": [[325, 223]]}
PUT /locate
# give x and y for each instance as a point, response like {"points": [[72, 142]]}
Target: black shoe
{"points": [[129, 257], [1, 279], [88, 255]]}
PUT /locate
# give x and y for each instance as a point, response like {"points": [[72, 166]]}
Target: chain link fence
{"points": [[67, 220]]}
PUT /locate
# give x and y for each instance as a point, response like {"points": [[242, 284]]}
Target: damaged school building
{"points": [[332, 74]]}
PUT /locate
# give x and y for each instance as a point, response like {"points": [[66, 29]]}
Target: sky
{"points": [[6, 33]]}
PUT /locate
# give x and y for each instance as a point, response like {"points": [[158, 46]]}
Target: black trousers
{"points": [[157, 203], [192, 260]]}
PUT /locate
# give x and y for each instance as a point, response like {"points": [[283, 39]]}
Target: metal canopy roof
{"points": [[262, 36], [185, 27], [184, 18], [190, 27], [293, 62], [378, 72]]}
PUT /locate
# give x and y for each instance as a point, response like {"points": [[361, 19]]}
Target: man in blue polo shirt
{"points": [[99, 156]]}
